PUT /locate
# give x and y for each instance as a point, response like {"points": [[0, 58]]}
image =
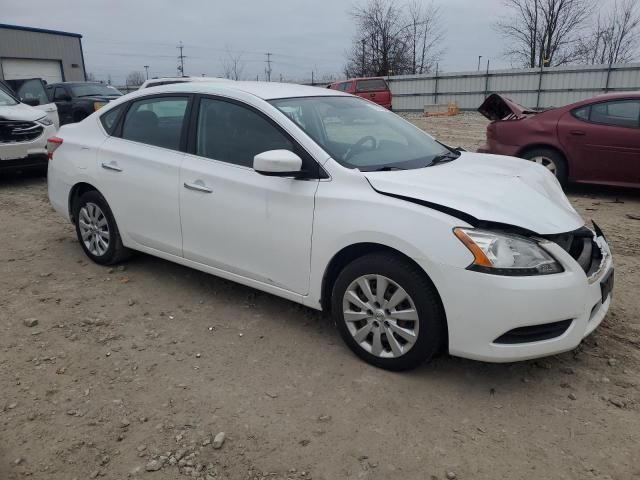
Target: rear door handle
{"points": [[577, 133], [112, 167], [198, 186]]}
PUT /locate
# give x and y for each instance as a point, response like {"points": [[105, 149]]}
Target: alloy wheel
{"points": [[94, 229], [546, 162], [380, 316]]}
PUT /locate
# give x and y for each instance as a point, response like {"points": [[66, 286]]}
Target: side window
{"points": [[582, 113], [60, 94], [156, 121], [235, 134], [622, 113], [110, 119], [345, 86]]}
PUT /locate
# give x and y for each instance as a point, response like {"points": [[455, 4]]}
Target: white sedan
{"points": [[336, 203]]}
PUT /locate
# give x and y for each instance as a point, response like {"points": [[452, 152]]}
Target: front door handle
{"points": [[198, 186], [112, 167], [577, 133]]}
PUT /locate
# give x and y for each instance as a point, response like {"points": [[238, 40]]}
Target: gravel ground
{"points": [[134, 371]]}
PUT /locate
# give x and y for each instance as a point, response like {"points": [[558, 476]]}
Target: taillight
{"points": [[52, 144]]}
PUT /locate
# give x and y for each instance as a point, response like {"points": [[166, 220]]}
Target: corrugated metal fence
{"points": [[533, 87]]}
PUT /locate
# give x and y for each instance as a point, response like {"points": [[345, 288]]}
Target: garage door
{"points": [[16, 68]]}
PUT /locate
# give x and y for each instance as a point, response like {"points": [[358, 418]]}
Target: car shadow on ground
{"points": [[602, 191], [277, 312], [15, 178]]}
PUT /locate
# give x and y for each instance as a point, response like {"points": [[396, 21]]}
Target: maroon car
{"points": [[591, 141]]}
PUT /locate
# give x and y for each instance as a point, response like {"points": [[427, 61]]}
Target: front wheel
{"points": [[97, 230], [388, 312]]}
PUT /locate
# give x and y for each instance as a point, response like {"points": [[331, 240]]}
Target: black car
{"points": [[77, 100]]}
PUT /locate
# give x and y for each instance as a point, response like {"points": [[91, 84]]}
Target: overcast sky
{"points": [[304, 35]]}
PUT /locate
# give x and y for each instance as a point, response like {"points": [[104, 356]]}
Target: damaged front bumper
{"points": [[505, 319]]}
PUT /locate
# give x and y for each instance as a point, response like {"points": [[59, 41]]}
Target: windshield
{"points": [[6, 99], [360, 134], [95, 89]]}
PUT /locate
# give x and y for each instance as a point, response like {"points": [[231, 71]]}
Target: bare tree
{"points": [[232, 65], [426, 34], [544, 32], [135, 78], [615, 37], [393, 38]]}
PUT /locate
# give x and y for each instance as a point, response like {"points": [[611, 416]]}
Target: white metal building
{"points": [[27, 52]]}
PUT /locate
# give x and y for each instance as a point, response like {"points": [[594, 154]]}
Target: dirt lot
{"points": [[139, 367]]}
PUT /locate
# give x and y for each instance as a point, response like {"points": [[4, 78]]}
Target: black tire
{"points": [[556, 157], [431, 318], [116, 251]]}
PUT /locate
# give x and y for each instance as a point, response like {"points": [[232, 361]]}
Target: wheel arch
{"points": [[76, 192], [548, 146], [350, 253], [356, 250]]}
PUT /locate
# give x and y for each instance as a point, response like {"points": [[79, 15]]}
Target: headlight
{"points": [[98, 105], [504, 254], [45, 121]]}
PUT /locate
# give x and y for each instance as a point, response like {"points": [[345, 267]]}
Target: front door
{"points": [[235, 219], [140, 169]]}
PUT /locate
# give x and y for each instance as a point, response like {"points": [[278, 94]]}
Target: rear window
{"points": [[371, 85]]}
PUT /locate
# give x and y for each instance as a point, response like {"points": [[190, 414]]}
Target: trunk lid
{"points": [[496, 107], [490, 188]]}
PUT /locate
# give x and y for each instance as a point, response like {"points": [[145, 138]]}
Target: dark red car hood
{"points": [[496, 107]]}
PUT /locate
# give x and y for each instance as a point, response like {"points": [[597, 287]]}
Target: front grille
{"points": [[534, 333], [582, 247], [13, 131]]}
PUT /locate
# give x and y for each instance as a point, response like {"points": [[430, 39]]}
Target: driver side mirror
{"points": [[33, 102], [278, 163]]}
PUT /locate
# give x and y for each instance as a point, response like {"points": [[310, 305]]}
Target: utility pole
{"points": [[181, 57], [479, 58], [363, 44], [312, 77], [146, 67], [268, 70]]}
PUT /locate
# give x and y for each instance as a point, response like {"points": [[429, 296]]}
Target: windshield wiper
{"points": [[444, 158], [386, 169]]}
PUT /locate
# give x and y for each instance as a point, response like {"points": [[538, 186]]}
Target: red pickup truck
{"points": [[374, 89]]}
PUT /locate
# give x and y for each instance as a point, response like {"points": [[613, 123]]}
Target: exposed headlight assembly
{"points": [[504, 254]]}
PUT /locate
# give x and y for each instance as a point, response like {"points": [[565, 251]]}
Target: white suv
{"points": [[24, 131], [334, 202]]}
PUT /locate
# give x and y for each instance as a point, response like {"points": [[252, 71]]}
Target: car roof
{"points": [[264, 90], [607, 96]]}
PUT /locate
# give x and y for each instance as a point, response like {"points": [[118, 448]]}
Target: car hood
{"points": [[20, 112], [488, 188], [496, 107]]}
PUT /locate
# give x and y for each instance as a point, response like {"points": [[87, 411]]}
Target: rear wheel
{"points": [[551, 159], [97, 230], [388, 312]]}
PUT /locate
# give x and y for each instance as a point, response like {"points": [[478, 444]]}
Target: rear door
{"points": [[602, 141], [374, 89], [140, 168]]}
